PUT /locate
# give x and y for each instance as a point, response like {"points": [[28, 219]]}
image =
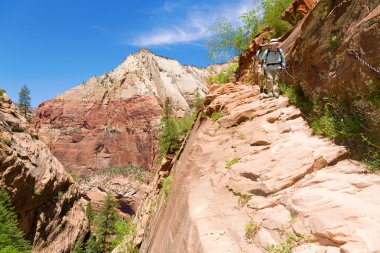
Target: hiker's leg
{"points": [[260, 78], [269, 81], [275, 83]]}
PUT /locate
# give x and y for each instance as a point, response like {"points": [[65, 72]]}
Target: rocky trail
{"points": [[259, 180]]}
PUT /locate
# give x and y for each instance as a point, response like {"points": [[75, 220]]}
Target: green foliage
{"points": [[74, 176], [11, 237], [225, 75], [296, 96], [105, 221], [90, 213], [272, 11], [6, 141], [243, 199], [24, 99], [336, 123], [123, 228], [374, 96], [227, 40], [217, 115], [374, 163], [291, 241], [172, 129], [166, 186], [137, 173], [59, 195], [2, 91], [78, 248], [334, 41], [250, 230], [233, 161], [198, 103], [92, 246]]}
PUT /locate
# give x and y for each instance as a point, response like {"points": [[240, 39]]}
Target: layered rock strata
{"points": [[46, 200], [112, 120]]}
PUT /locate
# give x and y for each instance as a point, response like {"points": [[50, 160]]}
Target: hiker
{"points": [[274, 62], [260, 66]]}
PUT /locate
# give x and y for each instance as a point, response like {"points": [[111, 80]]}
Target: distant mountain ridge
{"points": [[112, 120]]}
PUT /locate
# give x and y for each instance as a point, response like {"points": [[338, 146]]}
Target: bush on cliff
{"points": [[224, 76], [11, 237], [172, 129]]}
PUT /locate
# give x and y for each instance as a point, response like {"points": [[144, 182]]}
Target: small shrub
{"points": [[6, 141], [373, 163], [2, 91], [250, 231], [59, 195], [217, 115], [243, 199], [166, 186], [233, 161], [225, 75], [374, 96], [334, 41], [288, 245], [198, 103]]}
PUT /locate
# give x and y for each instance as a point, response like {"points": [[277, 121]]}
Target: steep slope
{"points": [[112, 120], [46, 199], [257, 179]]}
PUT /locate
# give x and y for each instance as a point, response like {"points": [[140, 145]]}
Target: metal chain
{"points": [[356, 55]]}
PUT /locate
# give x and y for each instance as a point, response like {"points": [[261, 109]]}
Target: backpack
{"points": [[277, 51]]}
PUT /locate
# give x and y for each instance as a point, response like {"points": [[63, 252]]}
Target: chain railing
{"points": [[363, 62]]}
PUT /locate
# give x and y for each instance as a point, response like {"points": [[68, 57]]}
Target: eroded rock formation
{"points": [[112, 120], [47, 201], [261, 164]]}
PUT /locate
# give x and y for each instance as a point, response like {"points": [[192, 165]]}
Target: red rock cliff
{"points": [[112, 120]]}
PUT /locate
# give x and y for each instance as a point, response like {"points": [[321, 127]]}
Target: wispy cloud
{"points": [[195, 24]]}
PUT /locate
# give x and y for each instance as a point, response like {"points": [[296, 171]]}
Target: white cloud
{"points": [[195, 25]]}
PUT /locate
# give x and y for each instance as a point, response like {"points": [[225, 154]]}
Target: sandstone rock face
{"points": [[260, 164], [112, 120], [46, 199], [321, 55]]}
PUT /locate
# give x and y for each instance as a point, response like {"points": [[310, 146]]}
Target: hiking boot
{"points": [[261, 89]]}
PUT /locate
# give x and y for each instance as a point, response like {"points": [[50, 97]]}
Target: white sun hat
{"points": [[273, 42]]}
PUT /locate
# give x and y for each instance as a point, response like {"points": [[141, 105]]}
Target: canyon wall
{"points": [[46, 199]]}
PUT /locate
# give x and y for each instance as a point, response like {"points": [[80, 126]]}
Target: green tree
{"points": [[105, 222], [169, 132], [92, 246], [24, 99], [78, 248], [90, 212], [227, 40], [272, 11], [11, 237]]}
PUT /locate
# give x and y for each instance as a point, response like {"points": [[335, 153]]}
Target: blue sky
{"points": [[53, 45]]}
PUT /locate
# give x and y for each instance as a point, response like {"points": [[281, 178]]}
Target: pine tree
{"points": [[11, 237], [90, 213], [78, 248], [92, 246], [105, 222], [24, 99]]}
